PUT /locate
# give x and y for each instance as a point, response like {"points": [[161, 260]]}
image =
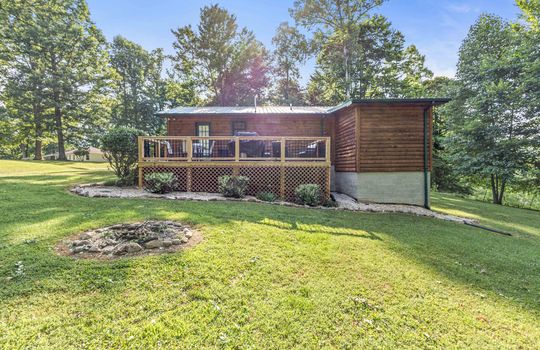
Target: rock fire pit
{"points": [[142, 238]]}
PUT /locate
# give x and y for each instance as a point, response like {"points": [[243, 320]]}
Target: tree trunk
{"points": [[58, 115], [497, 189], [39, 133], [59, 132]]}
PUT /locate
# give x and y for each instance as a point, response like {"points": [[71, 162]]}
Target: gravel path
{"points": [[344, 202]]}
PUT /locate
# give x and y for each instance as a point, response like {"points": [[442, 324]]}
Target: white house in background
{"points": [[94, 155]]}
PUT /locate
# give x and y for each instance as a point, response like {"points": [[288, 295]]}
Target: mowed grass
{"points": [[265, 277]]}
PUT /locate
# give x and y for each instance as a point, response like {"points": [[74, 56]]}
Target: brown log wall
{"points": [[345, 140], [264, 125], [391, 138]]}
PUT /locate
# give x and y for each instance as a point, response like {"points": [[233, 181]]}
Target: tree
{"points": [[531, 12], [119, 146], [228, 66], [291, 49], [22, 69], [140, 90], [493, 134], [335, 22]]}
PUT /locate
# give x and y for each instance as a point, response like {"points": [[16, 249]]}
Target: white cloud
{"points": [[461, 8]]}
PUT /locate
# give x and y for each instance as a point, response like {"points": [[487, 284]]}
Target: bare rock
{"points": [[78, 243], [79, 249], [85, 236], [184, 240], [176, 241], [94, 249], [153, 244], [129, 247], [167, 242]]}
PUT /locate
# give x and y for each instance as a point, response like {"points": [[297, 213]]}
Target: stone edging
{"points": [[344, 202]]}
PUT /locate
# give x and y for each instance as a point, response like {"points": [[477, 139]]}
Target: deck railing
{"points": [[233, 149]]}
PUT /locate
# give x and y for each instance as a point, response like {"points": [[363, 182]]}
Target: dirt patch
{"points": [[124, 240]]}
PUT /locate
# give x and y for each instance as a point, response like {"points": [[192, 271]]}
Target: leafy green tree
{"points": [[65, 60], [140, 90], [531, 12], [494, 134], [291, 50], [227, 65], [23, 74], [335, 24]]}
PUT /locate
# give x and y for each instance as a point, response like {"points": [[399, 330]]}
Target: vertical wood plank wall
{"points": [[345, 140], [264, 125], [391, 138]]}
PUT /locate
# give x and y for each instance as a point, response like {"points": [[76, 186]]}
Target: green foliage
{"points": [[494, 125], [359, 55], [226, 64], [139, 88], [55, 67], [266, 196], [160, 182], [309, 194], [119, 146], [233, 186], [81, 152], [291, 50]]}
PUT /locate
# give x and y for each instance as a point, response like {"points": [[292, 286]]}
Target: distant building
{"points": [[94, 155]]}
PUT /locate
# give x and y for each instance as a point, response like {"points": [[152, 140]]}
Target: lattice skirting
{"points": [[281, 180]]}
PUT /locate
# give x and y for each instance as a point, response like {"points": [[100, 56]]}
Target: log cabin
{"points": [[374, 150]]}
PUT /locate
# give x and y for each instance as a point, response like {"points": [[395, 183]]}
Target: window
{"points": [[202, 148], [238, 125], [202, 129]]}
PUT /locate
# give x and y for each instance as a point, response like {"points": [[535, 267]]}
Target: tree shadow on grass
{"points": [[479, 260]]}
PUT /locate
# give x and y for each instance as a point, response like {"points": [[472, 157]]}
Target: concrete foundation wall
{"points": [[382, 187]]}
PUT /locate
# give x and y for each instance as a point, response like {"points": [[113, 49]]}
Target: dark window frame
{"points": [[235, 129], [202, 124]]}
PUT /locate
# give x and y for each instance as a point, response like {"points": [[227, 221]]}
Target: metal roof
{"points": [[246, 110], [316, 110]]}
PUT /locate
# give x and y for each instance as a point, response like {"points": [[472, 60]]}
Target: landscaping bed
{"points": [[142, 238], [342, 201]]}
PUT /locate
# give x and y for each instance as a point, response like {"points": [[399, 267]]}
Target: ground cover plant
{"points": [[264, 276]]}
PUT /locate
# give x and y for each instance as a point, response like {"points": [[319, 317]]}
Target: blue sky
{"points": [[436, 27]]}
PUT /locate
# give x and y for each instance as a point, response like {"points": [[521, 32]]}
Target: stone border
{"points": [[343, 201], [65, 247]]}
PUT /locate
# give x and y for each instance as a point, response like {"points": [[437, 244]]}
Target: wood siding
{"points": [[264, 125], [391, 138], [345, 140]]}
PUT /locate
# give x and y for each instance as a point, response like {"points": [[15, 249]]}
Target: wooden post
{"points": [[328, 145], [189, 146], [188, 179], [237, 149], [283, 149], [141, 155]]}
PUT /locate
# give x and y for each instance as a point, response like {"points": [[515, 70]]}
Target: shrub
{"points": [[159, 182], [266, 196], [233, 186], [119, 147], [308, 194]]}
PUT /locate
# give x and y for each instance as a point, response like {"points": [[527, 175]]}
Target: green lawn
{"points": [[265, 276]]}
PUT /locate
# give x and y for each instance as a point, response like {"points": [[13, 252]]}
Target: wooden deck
{"points": [[272, 163]]}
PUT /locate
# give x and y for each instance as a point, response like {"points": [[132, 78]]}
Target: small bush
{"points": [[266, 196], [159, 182], [119, 147], [308, 194], [233, 186]]}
